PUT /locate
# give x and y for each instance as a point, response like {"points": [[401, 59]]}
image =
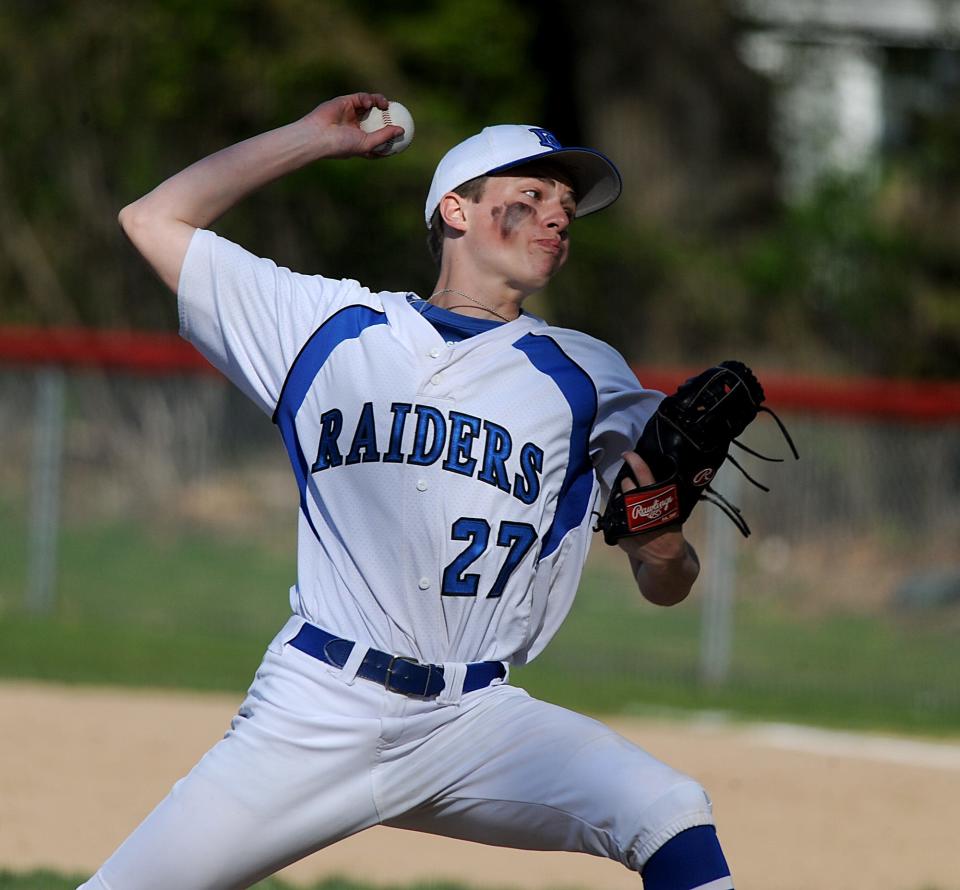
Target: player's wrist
{"points": [[309, 139], [665, 546]]}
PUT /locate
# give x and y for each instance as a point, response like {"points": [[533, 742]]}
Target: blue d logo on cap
{"points": [[546, 138]]}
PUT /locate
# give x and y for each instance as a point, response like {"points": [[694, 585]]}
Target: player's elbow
{"points": [[161, 239], [131, 219], [123, 217], [135, 219]]}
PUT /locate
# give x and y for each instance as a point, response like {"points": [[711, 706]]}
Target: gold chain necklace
{"points": [[460, 293]]}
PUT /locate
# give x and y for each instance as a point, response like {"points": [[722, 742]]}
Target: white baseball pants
{"points": [[314, 756]]}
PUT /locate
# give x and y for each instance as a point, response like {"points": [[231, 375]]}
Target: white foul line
{"points": [[859, 746]]}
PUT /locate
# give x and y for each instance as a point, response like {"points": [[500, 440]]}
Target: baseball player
{"points": [[449, 452]]}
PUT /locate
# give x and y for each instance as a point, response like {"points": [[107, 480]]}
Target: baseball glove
{"points": [[684, 443]]}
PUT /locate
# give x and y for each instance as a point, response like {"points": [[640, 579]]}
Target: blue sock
{"points": [[687, 861]]}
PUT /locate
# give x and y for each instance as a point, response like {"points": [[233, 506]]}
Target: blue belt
{"points": [[396, 673]]}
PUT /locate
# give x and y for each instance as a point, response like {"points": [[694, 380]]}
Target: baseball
{"points": [[395, 115]]}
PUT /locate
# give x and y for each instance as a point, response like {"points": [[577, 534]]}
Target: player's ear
{"points": [[453, 211]]}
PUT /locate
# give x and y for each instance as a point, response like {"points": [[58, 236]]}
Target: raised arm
{"points": [[664, 563], [162, 222]]}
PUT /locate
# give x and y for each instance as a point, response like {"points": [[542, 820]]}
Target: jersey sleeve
{"points": [[623, 408], [623, 405], [250, 317]]}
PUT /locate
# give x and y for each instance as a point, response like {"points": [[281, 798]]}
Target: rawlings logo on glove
{"points": [[647, 509], [684, 443]]}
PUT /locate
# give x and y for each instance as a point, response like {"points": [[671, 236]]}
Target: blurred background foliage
{"points": [[702, 258]]}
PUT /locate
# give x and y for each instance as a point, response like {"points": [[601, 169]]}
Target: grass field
{"points": [[187, 608]]}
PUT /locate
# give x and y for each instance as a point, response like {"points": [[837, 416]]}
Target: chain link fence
{"points": [[865, 525]]}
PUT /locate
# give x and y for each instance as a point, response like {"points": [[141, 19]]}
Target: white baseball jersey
{"points": [[446, 489], [446, 493]]}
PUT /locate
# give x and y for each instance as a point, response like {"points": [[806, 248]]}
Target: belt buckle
{"points": [[410, 660]]}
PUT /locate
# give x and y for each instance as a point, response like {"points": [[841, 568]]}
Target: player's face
{"points": [[520, 227]]}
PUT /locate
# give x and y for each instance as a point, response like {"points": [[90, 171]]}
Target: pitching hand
{"points": [[338, 126]]}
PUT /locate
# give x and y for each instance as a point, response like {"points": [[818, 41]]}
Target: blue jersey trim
{"points": [[577, 388], [347, 324], [452, 326]]}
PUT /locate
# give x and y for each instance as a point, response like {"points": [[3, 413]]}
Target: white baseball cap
{"points": [[505, 146]]}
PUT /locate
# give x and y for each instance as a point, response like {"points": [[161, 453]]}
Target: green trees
{"points": [[102, 100]]}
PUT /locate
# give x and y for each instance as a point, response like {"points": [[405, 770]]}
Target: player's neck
{"points": [[473, 302], [476, 296]]}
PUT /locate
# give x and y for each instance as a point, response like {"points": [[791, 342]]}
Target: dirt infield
{"points": [[797, 809]]}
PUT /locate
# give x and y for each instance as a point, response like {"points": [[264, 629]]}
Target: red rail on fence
{"points": [[162, 353], [927, 400], [139, 352]]}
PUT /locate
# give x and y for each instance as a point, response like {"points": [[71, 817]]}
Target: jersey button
{"points": [[435, 352], [424, 584], [435, 379], [421, 485]]}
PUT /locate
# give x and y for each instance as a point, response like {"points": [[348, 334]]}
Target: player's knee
{"points": [[684, 804]]}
